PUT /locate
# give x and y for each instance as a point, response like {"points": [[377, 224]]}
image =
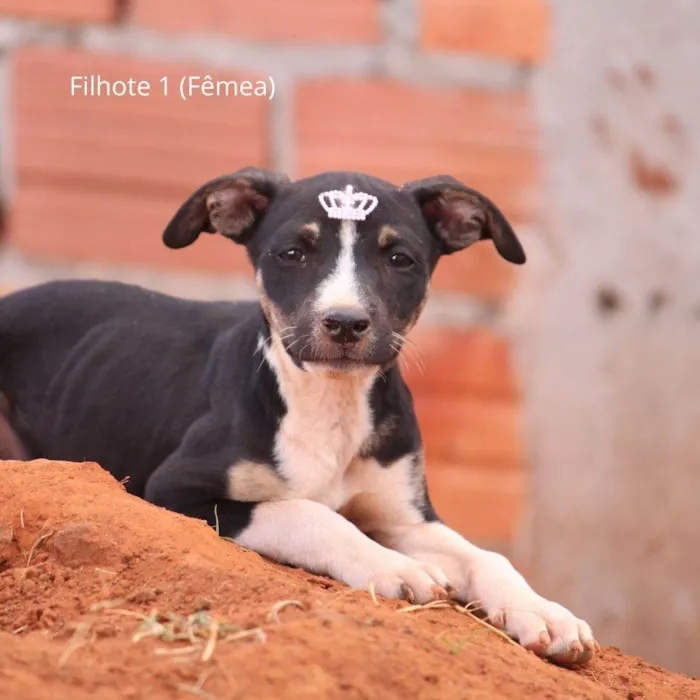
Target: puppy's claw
{"points": [[410, 580], [498, 620], [539, 647], [407, 594], [440, 593], [571, 658], [547, 629]]}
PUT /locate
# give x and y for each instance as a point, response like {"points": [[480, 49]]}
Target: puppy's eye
{"points": [[292, 255], [400, 260]]}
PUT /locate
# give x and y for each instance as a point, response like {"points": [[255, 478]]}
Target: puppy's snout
{"points": [[346, 325]]}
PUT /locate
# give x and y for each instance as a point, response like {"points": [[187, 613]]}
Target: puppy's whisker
{"points": [[420, 364], [306, 345], [407, 359], [415, 347], [406, 362], [411, 361], [276, 342], [298, 340], [410, 347]]}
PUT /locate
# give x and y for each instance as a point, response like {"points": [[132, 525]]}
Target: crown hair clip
{"points": [[348, 205]]}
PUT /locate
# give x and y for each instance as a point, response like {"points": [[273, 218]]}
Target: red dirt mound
{"points": [[105, 596]]}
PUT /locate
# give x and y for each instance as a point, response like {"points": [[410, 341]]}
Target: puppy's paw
{"points": [[410, 580], [546, 628]]}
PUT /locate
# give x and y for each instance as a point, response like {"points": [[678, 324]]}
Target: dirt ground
{"points": [[105, 596]]}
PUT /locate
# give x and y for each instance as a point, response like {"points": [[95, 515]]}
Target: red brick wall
{"points": [[511, 29], [68, 11], [316, 21], [95, 179]]}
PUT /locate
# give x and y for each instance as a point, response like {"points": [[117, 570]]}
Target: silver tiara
{"points": [[348, 205]]}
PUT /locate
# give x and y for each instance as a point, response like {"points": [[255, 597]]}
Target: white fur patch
{"points": [[312, 536], [503, 593], [341, 288], [383, 496], [329, 497], [326, 423]]}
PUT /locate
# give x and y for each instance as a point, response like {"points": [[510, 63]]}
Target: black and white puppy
{"points": [[289, 417]]}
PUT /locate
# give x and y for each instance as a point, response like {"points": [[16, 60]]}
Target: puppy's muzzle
{"points": [[346, 326]]}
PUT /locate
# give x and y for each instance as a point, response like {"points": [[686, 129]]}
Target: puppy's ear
{"points": [[231, 205], [459, 216]]}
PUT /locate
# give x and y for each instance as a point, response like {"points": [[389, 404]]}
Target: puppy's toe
{"points": [[412, 581], [552, 632]]}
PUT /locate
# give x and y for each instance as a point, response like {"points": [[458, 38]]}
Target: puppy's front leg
{"points": [[297, 531], [509, 602], [311, 536]]}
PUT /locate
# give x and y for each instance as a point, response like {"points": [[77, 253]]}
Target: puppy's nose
{"points": [[346, 325]]}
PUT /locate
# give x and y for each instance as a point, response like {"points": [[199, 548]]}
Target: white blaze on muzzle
{"points": [[341, 288]]}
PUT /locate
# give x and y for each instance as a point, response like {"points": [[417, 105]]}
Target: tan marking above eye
{"points": [[387, 236], [310, 232]]}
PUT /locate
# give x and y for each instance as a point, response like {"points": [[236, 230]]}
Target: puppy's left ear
{"points": [[459, 216], [231, 205]]}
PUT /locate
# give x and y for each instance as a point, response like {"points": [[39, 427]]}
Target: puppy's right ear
{"points": [[231, 205]]}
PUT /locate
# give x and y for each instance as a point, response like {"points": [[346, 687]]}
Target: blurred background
{"points": [[560, 402]]}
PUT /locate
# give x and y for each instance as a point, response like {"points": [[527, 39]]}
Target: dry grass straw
{"points": [[200, 630], [78, 639], [467, 610], [198, 687], [37, 544], [273, 615], [192, 636], [216, 525]]}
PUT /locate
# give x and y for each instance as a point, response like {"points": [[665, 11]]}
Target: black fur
{"points": [[170, 393]]}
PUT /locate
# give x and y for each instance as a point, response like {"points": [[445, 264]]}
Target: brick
{"points": [[516, 30], [308, 21], [87, 225], [478, 271], [452, 361], [156, 142], [470, 430], [108, 173], [486, 140], [480, 504], [72, 11]]}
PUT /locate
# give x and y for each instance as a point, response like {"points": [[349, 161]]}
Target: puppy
{"points": [[285, 422]]}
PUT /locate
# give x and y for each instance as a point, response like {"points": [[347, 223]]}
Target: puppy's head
{"points": [[343, 260]]}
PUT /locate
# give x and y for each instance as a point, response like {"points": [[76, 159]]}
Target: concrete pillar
{"points": [[608, 328]]}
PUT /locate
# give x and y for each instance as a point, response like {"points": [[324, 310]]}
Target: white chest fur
{"points": [[327, 421]]}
